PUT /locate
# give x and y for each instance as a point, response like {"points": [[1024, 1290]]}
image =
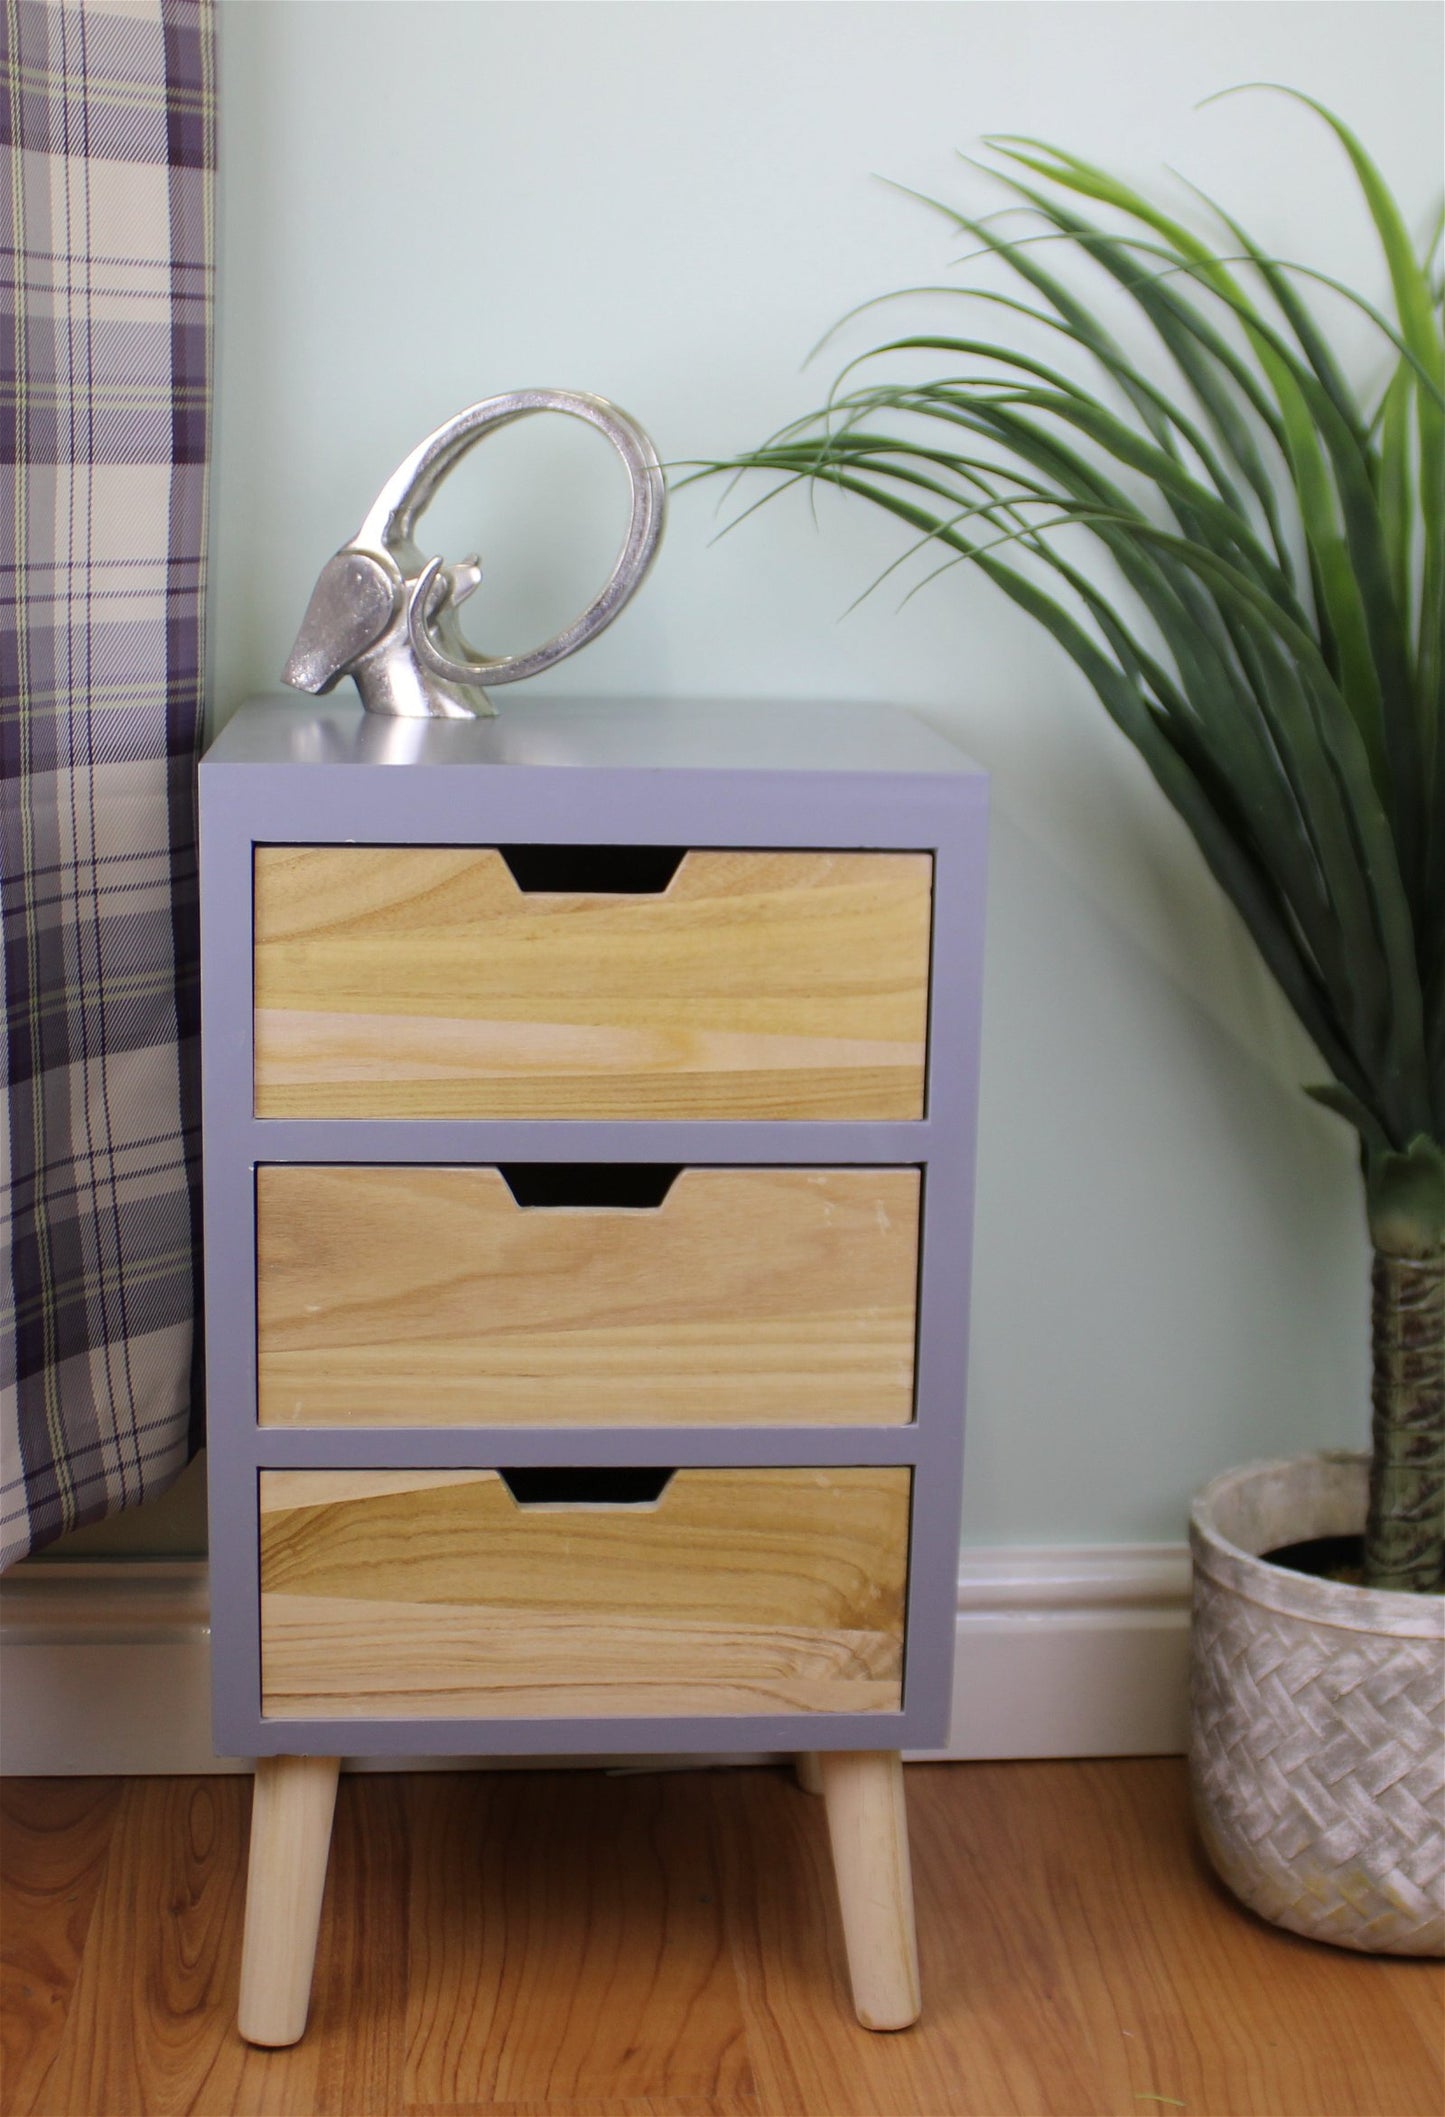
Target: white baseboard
{"points": [[1071, 1650], [1061, 1651]]}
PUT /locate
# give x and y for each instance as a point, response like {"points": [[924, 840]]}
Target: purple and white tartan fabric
{"points": [[107, 127]]}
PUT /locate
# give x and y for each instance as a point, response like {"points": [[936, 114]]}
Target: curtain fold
{"points": [[107, 133]]}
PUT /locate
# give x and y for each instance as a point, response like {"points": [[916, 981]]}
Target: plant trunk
{"points": [[1405, 1533]]}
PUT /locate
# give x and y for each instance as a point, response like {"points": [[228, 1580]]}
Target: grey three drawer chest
{"points": [[589, 1122]]}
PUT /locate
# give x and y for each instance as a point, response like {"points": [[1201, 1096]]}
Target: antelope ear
{"points": [[350, 608]]}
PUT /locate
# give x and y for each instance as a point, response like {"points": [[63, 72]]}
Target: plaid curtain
{"points": [[107, 131]]}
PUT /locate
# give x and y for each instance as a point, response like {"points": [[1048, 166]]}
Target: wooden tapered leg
{"points": [[291, 1812], [868, 1827], [808, 1771]]}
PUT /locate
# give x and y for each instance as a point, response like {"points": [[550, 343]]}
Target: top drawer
{"points": [[396, 981]]}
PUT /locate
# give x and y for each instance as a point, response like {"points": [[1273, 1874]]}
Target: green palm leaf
{"points": [[1291, 712]]}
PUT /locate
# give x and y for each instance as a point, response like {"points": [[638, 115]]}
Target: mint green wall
{"points": [[668, 204]]}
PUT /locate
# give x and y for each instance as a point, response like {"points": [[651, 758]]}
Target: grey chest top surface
{"points": [[597, 734]]}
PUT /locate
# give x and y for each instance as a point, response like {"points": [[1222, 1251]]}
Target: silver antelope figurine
{"points": [[386, 615]]}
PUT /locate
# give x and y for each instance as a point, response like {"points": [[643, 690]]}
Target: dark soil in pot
{"points": [[1339, 1558], [1326, 1557]]}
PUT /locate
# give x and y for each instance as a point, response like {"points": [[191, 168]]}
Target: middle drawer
{"points": [[407, 1296]]}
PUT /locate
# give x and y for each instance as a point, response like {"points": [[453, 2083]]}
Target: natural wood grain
{"points": [[568, 1946], [402, 1296], [433, 1593], [151, 2027], [753, 1545], [419, 981], [738, 2105], [291, 1811], [287, 1491], [571, 1945], [1423, 1998], [1077, 1962], [340, 1658], [359, 1991], [1350, 2022], [54, 1836], [1001, 2033], [868, 1831], [808, 1771]]}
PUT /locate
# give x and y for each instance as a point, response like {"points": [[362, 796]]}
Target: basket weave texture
{"points": [[1318, 1719]]}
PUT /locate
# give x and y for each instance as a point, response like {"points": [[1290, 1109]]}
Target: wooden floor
{"points": [[666, 1946]]}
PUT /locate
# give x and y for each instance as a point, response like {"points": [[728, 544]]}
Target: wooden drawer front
{"points": [[400, 1594], [428, 1297], [396, 981]]}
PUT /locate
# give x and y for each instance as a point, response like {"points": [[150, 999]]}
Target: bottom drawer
{"points": [[419, 1594]]}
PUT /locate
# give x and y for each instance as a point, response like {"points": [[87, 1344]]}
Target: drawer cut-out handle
{"points": [[625, 1487], [626, 1184], [593, 870]]}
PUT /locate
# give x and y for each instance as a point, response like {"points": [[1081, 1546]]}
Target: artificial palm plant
{"points": [[1276, 659]]}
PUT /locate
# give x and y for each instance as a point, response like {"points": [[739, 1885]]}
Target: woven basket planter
{"points": [[1318, 1718]]}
